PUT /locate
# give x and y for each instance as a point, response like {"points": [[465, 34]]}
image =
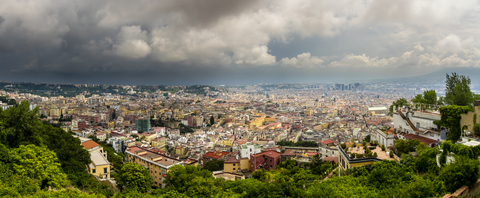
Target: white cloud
{"points": [[363, 60], [130, 43], [304, 60], [451, 43], [413, 58]]}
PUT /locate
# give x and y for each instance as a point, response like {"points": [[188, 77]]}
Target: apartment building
{"points": [[156, 164], [418, 125]]}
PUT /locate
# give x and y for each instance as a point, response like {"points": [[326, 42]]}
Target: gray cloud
{"points": [[160, 42]]}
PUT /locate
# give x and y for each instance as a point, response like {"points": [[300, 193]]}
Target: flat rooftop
{"points": [[381, 154], [98, 159], [226, 176]]}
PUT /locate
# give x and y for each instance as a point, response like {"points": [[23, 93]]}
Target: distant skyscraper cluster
{"points": [[343, 87]]}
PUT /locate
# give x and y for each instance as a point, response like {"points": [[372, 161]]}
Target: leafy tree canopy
{"points": [[298, 144], [457, 90], [134, 177], [38, 163], [399, 103], [451, 116]]}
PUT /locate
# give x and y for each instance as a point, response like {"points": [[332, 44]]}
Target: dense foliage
{"points": [[451, 116], [215, 165], [457, 90], [134, 177], [405, 146], [21, 129], [299, 143], [399, 103], [427, 100]]}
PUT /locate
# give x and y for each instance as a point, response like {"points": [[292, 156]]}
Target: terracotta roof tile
{"points": [[89, 144], [232, 159]]}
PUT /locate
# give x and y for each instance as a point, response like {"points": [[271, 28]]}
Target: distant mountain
{"points": [[472, 72]]}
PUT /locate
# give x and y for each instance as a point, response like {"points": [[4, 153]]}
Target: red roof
{"points": [[133, 149], [89, 144], [232, 159], [289, 152], [424, 140], [327, 142], [216, 155], [273, 154]]}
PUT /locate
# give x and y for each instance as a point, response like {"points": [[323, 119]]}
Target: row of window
{"points": [[104, 170]]}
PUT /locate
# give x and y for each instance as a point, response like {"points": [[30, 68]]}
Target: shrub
{"points": [[443, 158], [476, 129], [391, 154]]}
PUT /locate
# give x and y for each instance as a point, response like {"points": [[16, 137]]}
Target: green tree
{"points": [[12, 102], [399, 103], [212, 120], [367, 138], [451, 116], [405, 146], [430, 97], [216, 165], [287, 164], [426, 160], [423, 187], [38, 163], [457, 90], [359, 171], [463, 171], [134, 177], [476, 129], [193, 181], [20, 126], [388, 173], [418, 99]]}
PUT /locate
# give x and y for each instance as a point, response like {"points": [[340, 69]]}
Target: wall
{"points": [[231, 167], [244, 164], [263, 162], [99, 170], [154, 170], [467, 119]]}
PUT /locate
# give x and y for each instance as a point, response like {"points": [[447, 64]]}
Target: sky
{"points": [[184, 42]]}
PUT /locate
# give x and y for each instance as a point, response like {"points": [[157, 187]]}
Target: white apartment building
{"points": [[248, 149], [418, 125]]}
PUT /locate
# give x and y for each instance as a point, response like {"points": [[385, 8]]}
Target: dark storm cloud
{"points": [[225, 42]]}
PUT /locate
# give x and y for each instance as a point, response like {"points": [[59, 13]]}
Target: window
{"points": [[93, 170], [233, 168], [104, 170], [233, 164], [270, 160]]}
